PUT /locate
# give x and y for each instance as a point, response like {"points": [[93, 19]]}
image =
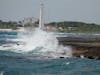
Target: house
{"points": [[72, 28]]}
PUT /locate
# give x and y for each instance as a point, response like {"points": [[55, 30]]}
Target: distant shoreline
{"points": [[3, 30], [11, 30], [22, 30]]}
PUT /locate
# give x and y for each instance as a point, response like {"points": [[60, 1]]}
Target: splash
{"points": [[38, 42], [42, 43]]}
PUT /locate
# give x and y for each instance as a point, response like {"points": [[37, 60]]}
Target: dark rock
{"points": [[88, 47]]}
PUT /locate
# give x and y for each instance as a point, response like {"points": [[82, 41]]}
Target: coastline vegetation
{"points": [[8, 25], [76, 27], [65, 26]]}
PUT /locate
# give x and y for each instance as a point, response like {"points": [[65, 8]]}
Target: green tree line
{"points": [[79, 26], [10, 24]]}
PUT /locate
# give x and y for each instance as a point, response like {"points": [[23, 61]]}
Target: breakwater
{"points": [[87, 47]]}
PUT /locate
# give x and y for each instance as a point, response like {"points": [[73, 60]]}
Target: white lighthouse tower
{"points": [[41, 19]]}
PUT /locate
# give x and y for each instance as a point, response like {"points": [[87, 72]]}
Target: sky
{"points": [[55, 10]]}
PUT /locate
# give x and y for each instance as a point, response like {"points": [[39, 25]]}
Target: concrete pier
{"points": [[87, 47]]}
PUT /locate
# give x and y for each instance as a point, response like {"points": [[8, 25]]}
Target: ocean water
{"points": [[12, 63], [72, 66]]}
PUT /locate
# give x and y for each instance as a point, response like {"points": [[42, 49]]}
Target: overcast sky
{"points": [[55, 10]]}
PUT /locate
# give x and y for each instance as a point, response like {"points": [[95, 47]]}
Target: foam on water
{"points": [[39, 42]]}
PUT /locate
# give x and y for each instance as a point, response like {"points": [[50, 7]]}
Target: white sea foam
{"points": [[1, 73], [39, 42]]}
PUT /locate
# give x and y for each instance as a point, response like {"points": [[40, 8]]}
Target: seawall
{"points": [[87, 47]]}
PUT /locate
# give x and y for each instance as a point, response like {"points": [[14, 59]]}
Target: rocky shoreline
{"points": [[83, 47]]}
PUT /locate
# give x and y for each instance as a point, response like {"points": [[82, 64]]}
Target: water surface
{"points": [[12, 64]]}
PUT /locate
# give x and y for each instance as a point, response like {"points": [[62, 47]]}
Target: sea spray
{"points": [[38, 42], [42, 43]]}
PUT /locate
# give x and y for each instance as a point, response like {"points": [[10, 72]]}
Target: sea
{"points": [[12, 63]]}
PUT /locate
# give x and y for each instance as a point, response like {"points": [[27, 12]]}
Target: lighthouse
{"points": [[41, 19]]}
